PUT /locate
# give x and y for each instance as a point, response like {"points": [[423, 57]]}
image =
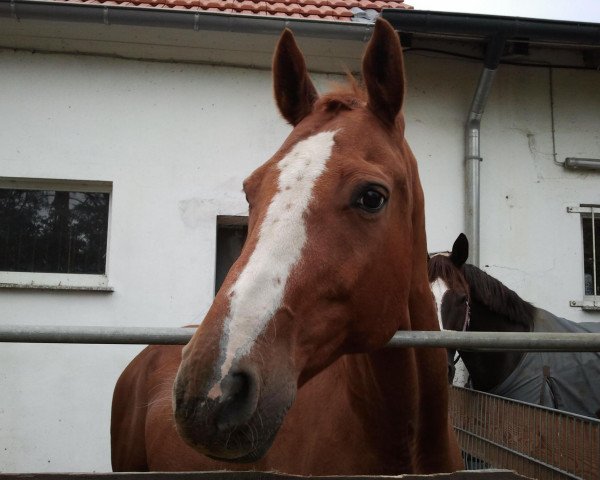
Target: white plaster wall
{"points": [[177, 140], [528, 239], [437, 101]]}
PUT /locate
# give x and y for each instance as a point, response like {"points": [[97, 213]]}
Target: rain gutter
{"points": [[403, 20], [485, 26], [180, 19]]}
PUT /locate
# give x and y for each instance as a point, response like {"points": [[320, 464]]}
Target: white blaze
{"points": [[258, 292], [439, 289]]}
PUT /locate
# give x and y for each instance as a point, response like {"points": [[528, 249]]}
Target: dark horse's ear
{"points": [[383, 72], [460, 250], [295, 93]]}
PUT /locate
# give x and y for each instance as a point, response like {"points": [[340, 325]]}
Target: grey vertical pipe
{"points": [[473, 163], [473, 148]]}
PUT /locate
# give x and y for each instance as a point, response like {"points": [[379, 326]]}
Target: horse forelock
{"points": [[343, 96], [440, 266], [496, 296], [351, 95]]}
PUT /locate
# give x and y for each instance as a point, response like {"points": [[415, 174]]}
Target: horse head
{"points": [[449, 287], [451, 291], [334, 261]]}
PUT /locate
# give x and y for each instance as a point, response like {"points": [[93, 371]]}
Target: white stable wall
{"points": [[177, 140], [528, 240]]}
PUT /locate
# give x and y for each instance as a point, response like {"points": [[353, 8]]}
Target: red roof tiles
{"points": [[333, 10]]}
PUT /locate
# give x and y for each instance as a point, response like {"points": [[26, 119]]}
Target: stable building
{"points": [[127, 129]]}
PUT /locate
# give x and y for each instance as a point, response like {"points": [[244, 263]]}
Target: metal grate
{"points": [[590, 225], [538, 442]]}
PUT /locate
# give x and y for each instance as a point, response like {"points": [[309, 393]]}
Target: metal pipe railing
{"points": [[496, 341], [490, 341]]}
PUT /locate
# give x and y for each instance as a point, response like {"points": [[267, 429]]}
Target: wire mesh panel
{"points": [[538, 442]]}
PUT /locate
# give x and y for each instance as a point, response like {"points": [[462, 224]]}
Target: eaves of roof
{"points": [[529, 30], [114, 12], [312, 18], [170, 33]]}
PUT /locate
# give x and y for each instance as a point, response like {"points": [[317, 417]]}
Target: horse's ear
{"points": [[460, 250], [383, 72], [295, 93]]}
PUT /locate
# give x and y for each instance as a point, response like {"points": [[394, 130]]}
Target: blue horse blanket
{"points": [[567, 381]]}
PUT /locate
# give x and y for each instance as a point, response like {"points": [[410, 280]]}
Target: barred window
{"points": [[590, 229], [591, 250]]}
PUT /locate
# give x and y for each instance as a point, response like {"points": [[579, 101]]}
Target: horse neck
{"points": [[489, 369], [398, 400], [373, 382]]}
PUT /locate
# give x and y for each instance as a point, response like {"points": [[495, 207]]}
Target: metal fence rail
{"points": [[492, 341], [535, 441]]}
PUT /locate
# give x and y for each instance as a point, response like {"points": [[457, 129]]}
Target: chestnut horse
{"points": [[287, 371]]}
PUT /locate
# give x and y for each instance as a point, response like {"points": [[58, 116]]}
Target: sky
{"points": [[572, 10]]}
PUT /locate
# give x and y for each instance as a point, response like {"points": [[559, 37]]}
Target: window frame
{"points": [[60, 281], [226, 221], [588, 302]]}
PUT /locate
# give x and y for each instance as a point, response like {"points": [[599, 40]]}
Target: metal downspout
{"points": [[473, 149]]}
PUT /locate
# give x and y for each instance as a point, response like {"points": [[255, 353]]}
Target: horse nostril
{"points": [[234, 385], [238, 400]]}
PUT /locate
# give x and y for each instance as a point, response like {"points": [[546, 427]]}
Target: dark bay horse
{"points": [[469, 299], [287, 370]]}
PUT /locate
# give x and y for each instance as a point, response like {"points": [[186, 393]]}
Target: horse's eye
{"points": [[371, 200]]}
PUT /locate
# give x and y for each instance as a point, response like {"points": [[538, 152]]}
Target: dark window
{"points": [[591, 260], [53, 231], [231, 235]]}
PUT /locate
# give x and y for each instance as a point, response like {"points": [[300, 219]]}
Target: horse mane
{"points": [[497, 297], [343, 96]]}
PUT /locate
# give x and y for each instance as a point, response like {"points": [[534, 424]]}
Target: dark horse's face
{"points": [[450, 291], [336, 223]]}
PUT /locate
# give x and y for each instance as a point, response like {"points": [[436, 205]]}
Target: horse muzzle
{"points": [[241, 422]]}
